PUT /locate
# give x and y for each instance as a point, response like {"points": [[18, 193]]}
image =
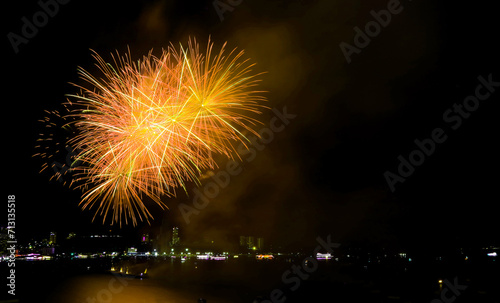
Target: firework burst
{"points": [[146, 128]]}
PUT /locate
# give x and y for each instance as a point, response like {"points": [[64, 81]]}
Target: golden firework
{"points": [[148, 127]]}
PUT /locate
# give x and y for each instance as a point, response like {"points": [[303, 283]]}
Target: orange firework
{"points": [[148, 127]]}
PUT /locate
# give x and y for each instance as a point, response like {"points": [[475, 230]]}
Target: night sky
{"points": [[324, 173]]}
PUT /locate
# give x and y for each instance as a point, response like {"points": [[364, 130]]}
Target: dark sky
{"points": [[324, 173]]}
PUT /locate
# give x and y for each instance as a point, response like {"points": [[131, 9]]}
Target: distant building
{"points": [[3, 240], [260, 243], [249, 242], [176, 240], [48, 251], [243, 241], [52, 239], [163, 237]]}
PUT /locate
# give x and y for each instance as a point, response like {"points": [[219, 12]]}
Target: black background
{"points": [[324, 173]]}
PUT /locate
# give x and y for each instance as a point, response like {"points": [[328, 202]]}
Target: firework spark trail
{"points": [[148, 127], [51, 150]]}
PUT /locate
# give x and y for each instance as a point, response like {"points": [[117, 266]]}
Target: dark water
{"points": [[244, 280]]}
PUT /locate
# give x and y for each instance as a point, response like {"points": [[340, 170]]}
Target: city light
{"points": [[267, 257], [320, 256]]}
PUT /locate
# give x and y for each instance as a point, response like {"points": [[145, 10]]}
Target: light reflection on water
{"points": [[240, 281], [104, 288]]}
